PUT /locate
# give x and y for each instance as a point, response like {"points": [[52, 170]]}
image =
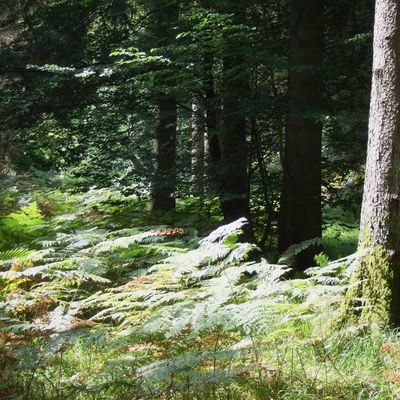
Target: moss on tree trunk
{"points": [[369, 298], [377, 296]]}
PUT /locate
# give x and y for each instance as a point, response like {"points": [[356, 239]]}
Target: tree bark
{"points": [[3, 153], [198, 146], [300, 215], [379, 266], [214, 151], [165, 14], [164, 179], [235, 188]]}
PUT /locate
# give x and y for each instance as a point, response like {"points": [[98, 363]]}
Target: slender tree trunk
{"points": [[379, 266], [213, 150], [300, 216], [235, 188], [2, 155], [165, 15], [4, 143], [214, 153], [198, 145]]}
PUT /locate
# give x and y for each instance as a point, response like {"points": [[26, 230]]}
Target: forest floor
{"points": [[100, 299]]}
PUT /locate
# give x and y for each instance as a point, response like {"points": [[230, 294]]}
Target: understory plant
{"points": [[98, 310]]}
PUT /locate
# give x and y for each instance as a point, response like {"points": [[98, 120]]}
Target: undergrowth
{"points": [[101, 300]]}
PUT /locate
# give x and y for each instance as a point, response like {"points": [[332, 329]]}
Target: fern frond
{"points": [[7, 255], [288, 256]]}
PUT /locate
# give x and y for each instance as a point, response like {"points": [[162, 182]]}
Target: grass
{"points": [[352, 366], [171, 317], [340, 235]]}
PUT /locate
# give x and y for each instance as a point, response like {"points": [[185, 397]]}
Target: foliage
{"points": [[89, 111], [101, 298], [145, 311]]}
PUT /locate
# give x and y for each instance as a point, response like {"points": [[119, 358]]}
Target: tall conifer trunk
{"points": [[198, 145], [4, 142], [300, 215], [214, 151], [235, 190], [164, 179], [379, 264], [164, 15]]}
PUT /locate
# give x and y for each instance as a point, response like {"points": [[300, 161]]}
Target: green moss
{"points": [[369, 299]]}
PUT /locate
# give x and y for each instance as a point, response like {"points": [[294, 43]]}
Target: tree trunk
{"points": [[214, 152], [235, 188], [164, 179], [198, 145], [4, 142], [300, 215], [379, 266], [165, 15]]}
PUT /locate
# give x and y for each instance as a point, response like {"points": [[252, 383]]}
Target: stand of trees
{"points": [[261, 105]]}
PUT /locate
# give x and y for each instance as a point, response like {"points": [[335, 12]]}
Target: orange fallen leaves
{"points": [[169, 232], [21, 265]]}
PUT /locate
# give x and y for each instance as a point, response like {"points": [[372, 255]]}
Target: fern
{"points": [[7, 255], [288, 256], [223, 232], [12, 256], [163, 309]]}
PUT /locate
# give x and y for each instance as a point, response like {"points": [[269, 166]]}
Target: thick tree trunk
{"points": [[235, 188], [198, 145], [164, 179], [379, 267], [300, 215], [164, 14]]}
